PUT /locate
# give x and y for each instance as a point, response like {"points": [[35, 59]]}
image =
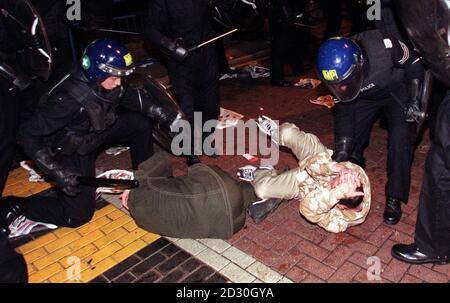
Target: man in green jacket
{"points": [[205, 203]]}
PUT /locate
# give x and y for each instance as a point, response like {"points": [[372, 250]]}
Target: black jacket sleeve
{"points": [[136, 100], [53, 115]]}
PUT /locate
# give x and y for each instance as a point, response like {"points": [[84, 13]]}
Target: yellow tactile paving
{"points": [[97, 246], [78, 254], [18, 185]]}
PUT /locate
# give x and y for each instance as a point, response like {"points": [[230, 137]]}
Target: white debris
{"points": [[228, 118], [116, 150], [34, 176]]}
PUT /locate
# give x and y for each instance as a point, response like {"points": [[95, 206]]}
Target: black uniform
{"points": [[433, 221], [287, 39], [66, 131], [195, 80], [12, 265], [388, 63]]}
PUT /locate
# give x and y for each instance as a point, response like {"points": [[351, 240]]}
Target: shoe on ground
{"points": [[412, 254], [269, 127], [247, 173], [392, 211], [22, 226], [259, 210]]}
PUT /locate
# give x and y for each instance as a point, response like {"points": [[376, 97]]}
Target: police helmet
{"points": [[104, 58], [339, 64]]}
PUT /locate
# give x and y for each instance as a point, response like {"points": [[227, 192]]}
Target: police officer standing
{"points": [[428, 24], [175, 26], [76, 117], [369, 73], [13, 84]]}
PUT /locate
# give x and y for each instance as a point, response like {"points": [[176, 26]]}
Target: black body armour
{"points": [[87, 130], [380, 74]]}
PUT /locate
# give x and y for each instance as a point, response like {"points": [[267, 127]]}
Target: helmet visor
{"points": [[348, 89], [115, 71]]}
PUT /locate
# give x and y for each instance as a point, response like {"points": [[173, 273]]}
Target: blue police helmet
{"points": [[339, 64], [104, 58]]}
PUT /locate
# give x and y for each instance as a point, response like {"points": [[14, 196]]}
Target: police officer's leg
{"points": [[55, 207], [365, 114], [135, 130], [399, 152], [432, 234], [9, 118], [399, 160], [13, 268], [277, 52], [182, 79], [208, 89]]}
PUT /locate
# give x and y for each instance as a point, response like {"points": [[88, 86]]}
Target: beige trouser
{"points": [[268, 184]]}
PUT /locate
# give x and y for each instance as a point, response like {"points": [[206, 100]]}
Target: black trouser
{"points": [[57, 208], [332, 11], [195, 84], [433, 219], [13, 268], [355, 120], [9, 119], [286, 47]]}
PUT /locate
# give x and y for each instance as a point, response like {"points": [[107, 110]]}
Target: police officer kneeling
{"points": [[74, 119]]}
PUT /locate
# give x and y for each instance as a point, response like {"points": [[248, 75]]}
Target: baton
{"points": [[212, 40], [103, 182], [117, 31]]}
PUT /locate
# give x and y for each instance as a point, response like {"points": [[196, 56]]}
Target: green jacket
{"points": [[205, 203]]}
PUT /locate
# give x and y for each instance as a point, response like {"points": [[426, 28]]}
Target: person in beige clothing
{"points": [[333, 195]]}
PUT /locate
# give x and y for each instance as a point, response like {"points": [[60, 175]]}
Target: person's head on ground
{"points": [[105, 62], [347, 189]]}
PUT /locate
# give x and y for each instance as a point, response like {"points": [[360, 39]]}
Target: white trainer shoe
{"points": [[269, 127], [247, 173], [23, 226]]}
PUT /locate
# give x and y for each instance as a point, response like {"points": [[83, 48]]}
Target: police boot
{"points": [[392, 211], [259, 211], [10, 210], [343, 147]]}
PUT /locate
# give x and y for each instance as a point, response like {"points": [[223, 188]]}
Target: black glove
{"points": [[343, 149], [64, 178], [174, 48], [162, 116]]}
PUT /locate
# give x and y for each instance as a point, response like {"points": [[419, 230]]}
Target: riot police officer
{"points": [[428, 23], [368, 73], [74, 119], [13, 83], [175, 26]]}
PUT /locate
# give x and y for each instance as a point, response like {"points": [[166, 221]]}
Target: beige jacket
{"points": [[315, 203]]}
